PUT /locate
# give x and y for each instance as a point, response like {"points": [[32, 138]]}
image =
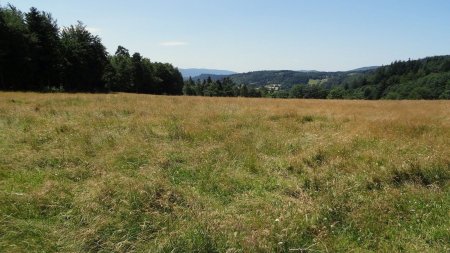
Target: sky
{"points": [[250, 35]]}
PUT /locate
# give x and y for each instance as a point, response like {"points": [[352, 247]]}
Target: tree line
{"points": [[226, 87], [219, 88], [427, 78], [37, 55]]}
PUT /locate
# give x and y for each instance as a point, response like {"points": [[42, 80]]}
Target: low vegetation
{"points": [[141, 173]]}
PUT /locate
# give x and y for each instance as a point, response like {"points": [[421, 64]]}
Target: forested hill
{"points": [[427, 78], [285, 78], [288, 78], [196, 73], [35, 54]]}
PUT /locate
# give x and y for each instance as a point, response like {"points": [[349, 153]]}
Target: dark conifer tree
{"points": [[44, 49]]}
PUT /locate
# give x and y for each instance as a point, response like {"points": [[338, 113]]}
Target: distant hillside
{"points": [[285, 78], [213, 77], [288, 78], [194, 72], [364, 69], [427, 78]]}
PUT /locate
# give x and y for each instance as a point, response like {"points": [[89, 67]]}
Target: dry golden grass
{"points": [[126, 172]]}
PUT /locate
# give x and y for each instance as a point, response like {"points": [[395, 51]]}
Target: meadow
{"points": [[142, 173]]}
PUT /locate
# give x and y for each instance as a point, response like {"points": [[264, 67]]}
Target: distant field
{"points": [[316, 81], [140, 173]]}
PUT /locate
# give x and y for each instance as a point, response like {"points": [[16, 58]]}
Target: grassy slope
{"points": [[145, 173]]}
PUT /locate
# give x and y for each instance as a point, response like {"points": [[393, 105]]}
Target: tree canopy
{"points": [[35, 54], [427, 78]]}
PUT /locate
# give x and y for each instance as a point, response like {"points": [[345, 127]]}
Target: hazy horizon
{"points": [[263, 35]]}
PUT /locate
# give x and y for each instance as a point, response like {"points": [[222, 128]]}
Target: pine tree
{"points": [[45, 49]]}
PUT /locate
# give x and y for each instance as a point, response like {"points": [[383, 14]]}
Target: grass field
{"points": [[140, 173]]}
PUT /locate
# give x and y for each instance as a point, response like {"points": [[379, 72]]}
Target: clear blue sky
{"points": [[245, 35]]}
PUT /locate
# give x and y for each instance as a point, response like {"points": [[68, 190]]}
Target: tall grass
{"points": [[139, 173]]}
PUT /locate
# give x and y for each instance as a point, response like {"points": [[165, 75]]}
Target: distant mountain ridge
{"points": [[213, 77], [195, 72], [364, 69], [285, 78]]}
